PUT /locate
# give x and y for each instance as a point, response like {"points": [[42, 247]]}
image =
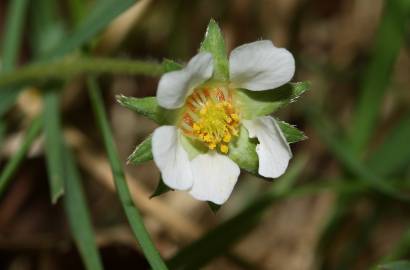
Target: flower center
{"points": [[210, 117]]}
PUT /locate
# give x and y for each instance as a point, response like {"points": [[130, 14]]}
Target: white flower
{"points": [[210, 115]]}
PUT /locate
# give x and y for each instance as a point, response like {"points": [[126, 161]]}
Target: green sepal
{"points": [[192, 147], [160, 189], [214, 43], [291, 133], [148, 106], [170, 65], [214, 207], [258, 103], [243, 152], [142, 153]]}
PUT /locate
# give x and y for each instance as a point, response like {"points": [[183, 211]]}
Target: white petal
{"points": [[273, 150], [260, 66], [215, 175], [171, 158], [175, 86]]}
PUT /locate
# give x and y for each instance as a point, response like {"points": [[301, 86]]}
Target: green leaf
{"points": [[292, 134], [214, 43], [142, 152], [11, 42], [160, 189], [389, 40], [13, 32], [344, 154], [398, 265], [78, 215], [53, 144], [243, 151], [258, 103], [13, 164], [170, 65], [46, 27], [132, 213], [98, 18], [391, 156], [147, 106]]}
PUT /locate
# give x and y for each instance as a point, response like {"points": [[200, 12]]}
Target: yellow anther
{"points": [[234, 116], [203, 111], [196, 127], [224, 148], [213, 119], [227, 137], [207, 138]]}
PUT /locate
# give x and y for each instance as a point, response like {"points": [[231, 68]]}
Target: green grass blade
{"points": [[53, 144], [198, 253], [131, 211], [78, 215], [100, 16], [13, 32], [389, 40], [12, 165], [391, 155], [10, 48], [348, 158]]}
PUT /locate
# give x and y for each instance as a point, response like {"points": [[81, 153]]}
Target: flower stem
{"points": [[131, 211], [68, 67]]}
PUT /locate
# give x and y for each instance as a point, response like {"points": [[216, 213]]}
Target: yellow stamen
{"points": [[227, 137], [215, 121], [224, 148]]}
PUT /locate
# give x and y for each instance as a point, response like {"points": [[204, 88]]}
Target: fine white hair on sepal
{"points": [[175, 86], [260, 66]]}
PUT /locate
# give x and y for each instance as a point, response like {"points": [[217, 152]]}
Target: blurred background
{"points": [[344, 202]]}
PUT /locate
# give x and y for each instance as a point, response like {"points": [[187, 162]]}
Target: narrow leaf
{"points": [[214, 43], [10, 48], [389, 40], [391, 156], [100, 16], [13, 164], [13, 32], [142, 152], [78, 215], [258, 103], [53, 144], [132, 213]]}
